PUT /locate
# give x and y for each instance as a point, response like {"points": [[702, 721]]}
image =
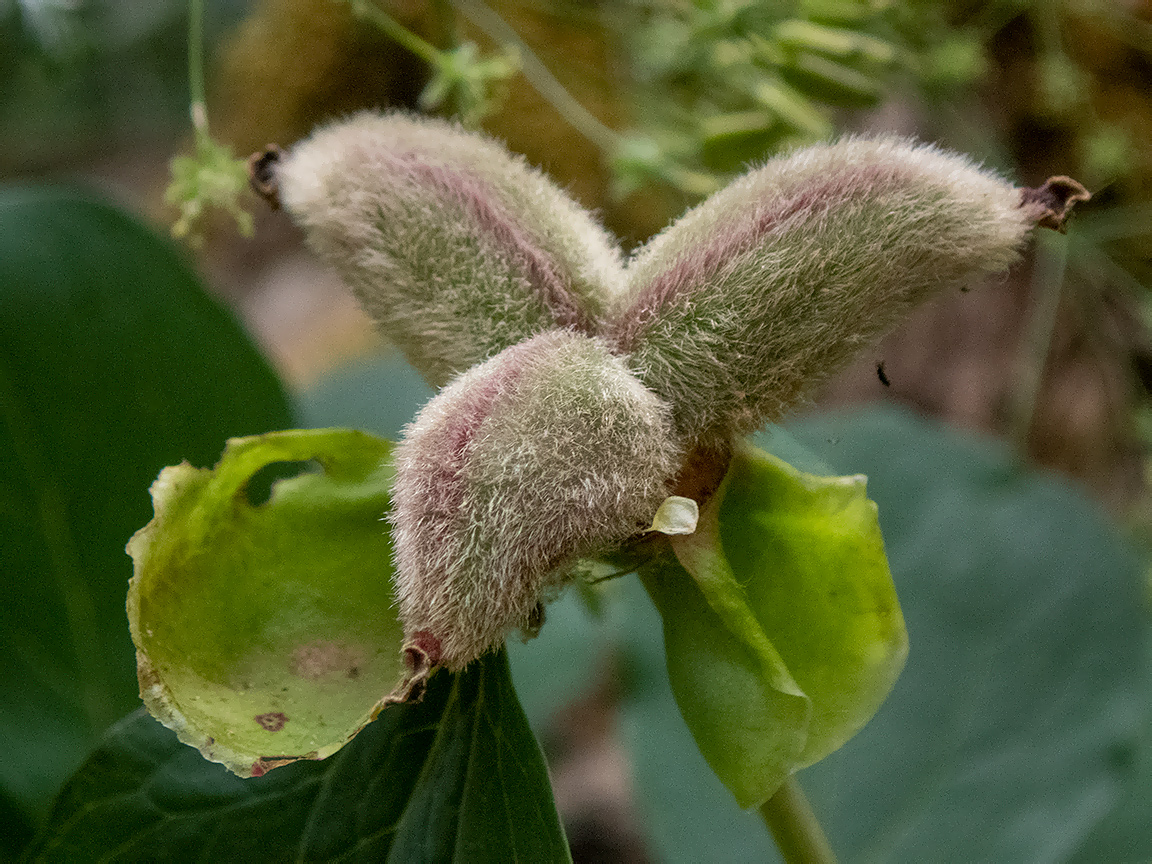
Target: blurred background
{"points": [[640, 109]]}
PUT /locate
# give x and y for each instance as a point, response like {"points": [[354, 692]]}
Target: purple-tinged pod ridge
{"points": [[457, 248], [740, 308], [549, 451]]}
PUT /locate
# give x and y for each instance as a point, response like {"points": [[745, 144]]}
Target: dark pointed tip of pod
{"points": [[262, 174], [1054, 201], [422, 654]]}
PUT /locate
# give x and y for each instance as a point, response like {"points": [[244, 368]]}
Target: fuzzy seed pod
{"points": [[456, 247], [741, 307], [548, 451]]}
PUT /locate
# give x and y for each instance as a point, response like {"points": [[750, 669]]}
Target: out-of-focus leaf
{"points": [[1126, 833], [113, 363], [1005, 737], [379, 394], [267, 632], [1027, 675], [457, 777]]}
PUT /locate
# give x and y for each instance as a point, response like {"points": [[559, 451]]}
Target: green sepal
{"points": [[265, 633], [783, 632], [748, 716]]}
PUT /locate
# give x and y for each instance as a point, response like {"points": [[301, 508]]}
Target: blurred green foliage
{"points": [[113, 364]]}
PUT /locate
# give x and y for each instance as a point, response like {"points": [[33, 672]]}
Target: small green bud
{"points": [[550, 451], [739, 309], [457, 248]]}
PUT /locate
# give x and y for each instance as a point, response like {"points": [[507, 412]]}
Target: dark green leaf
{"points": [[113, 363], [457, 777], [1027, 633], [1004, 738], [1126, 833]]}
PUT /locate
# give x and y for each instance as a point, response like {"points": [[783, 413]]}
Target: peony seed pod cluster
{"points": [[579, 389]]}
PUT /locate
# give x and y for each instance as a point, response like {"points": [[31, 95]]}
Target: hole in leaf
{"points": [[258, 489]]}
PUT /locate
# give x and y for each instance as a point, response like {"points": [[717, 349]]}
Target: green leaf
{"points": [[266, 632], [685, 811], [113, 363], [1010, 732], [749, 717], [810, 559], [457, 777], [787, 636], [1126, 833]]}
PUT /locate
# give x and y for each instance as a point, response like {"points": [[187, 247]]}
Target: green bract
{"points": [[782, 628], [265, 633]]}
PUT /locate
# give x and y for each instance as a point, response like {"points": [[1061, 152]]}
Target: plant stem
{"points": [[1047, 286], [397, 32], [798, 835], [198, 104], [607, 140]]}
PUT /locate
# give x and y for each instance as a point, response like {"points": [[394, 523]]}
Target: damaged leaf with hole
{"points": [[265, 632]]}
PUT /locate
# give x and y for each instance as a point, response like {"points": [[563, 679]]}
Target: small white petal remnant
{"points": [[676, 515]]}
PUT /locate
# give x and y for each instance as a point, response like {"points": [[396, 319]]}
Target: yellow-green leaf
{"points": [[783, 633], [265, 632]]}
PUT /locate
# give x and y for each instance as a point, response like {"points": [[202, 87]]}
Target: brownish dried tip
{"points": [[266, 763], [1054, 201], [262, 174], [535, 622], [422, 656]]}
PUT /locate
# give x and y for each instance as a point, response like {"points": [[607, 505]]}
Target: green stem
{"points": [[397, 32], [1047, 286], [198, 101], [607, 140], [798, 835]]}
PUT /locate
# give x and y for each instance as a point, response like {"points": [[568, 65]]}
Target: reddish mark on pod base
{"points": [[422, 651], [271, 722]]}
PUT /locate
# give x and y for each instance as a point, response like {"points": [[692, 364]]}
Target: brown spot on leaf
{"points": [[262, 174], [322, 657], [1052, 203], [273, 721]]}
